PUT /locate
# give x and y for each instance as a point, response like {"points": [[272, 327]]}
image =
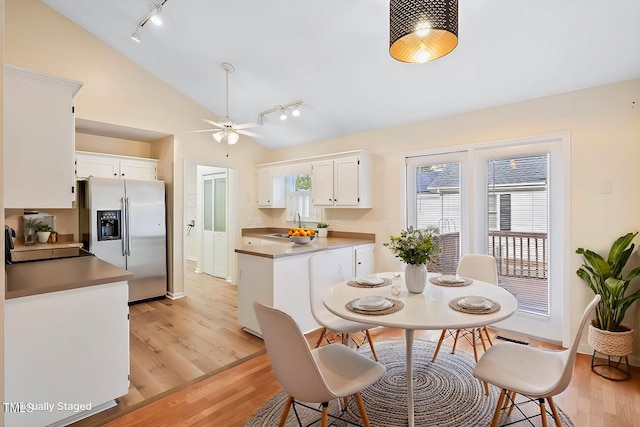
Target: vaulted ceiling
{"points": [[333, 55]]}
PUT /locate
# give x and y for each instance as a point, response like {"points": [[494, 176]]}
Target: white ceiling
{"points": [[333, 54]]}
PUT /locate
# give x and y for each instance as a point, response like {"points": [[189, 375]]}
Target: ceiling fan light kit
{"points": [[422, 30], [225, 130]]}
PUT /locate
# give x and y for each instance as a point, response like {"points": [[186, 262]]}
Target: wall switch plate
{"points": [[258, 220], [336, 222], [385, 224]]}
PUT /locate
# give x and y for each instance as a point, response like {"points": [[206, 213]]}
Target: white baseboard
{"points": [[176, 295], [192, 258]]}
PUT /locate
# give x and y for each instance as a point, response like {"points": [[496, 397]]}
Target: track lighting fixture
{"points": [[153, 16], [282, 109]]}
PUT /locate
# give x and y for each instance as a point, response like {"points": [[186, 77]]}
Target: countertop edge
{"points": [[100, 273], [302, 249]]}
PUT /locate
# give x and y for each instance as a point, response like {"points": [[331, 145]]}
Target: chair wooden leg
{"points": [[324, 331], [363, 411], [345, 403], [486, 388], [373, 350], [285, 411], [435, 353], [484, 346], [455, 341], [513, 402], [556, 417], [486, 331], [325, 418], [496, 414], [473, 344], [543, 413]]}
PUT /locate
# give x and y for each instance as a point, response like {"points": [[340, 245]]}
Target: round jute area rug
{"points": [[445, 394]]}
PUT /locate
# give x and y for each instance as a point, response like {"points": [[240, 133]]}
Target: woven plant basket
{"points": [[611, 343]]}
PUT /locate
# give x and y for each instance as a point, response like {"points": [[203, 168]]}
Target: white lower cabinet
{"points": [[363, 258], [282, 283], [66, 354]]}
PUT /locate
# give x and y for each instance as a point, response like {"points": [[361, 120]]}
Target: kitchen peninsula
{"points": [[274, 271], [66, 338]]}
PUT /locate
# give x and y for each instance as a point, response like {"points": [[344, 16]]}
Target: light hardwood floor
{"points": [[228, 396], [176, 342]]}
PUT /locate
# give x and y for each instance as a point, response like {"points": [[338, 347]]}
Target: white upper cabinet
{"points": [[110, 166], [343, 181], [39, 139], [271, 189]]}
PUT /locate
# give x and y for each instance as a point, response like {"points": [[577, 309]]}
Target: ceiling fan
{"points": [[225, 129]]}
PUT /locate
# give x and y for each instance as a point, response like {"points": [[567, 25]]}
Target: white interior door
{"points": [[214, 228]]}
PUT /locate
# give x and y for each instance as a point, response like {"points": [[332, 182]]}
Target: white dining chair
{"points": [[320, 375], [533, 372], [324, 272], [480, 267]]}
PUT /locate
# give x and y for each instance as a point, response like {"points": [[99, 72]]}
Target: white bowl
{"points": [[301, 240]]}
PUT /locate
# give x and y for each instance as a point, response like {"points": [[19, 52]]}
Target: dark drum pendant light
{"points": [[422, 30]]}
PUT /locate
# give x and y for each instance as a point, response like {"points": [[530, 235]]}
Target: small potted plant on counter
{"points": [[322, 229], [43, 231]]}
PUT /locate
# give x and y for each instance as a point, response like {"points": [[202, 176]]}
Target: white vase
{"points": [[322, 232], [43, 236], [415, 277]]}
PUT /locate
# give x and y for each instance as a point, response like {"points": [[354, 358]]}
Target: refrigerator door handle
{"points": [[126, 246]]}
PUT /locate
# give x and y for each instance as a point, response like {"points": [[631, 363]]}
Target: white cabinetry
{"points": [[39, 139], [271, 189], [69, 347], [363, 257], [111, 166], [342, 182], [282, 283]]}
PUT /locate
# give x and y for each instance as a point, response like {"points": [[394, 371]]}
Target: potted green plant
{"points": [[43, 231], [415, 247], [607, 334], [322, 229]]}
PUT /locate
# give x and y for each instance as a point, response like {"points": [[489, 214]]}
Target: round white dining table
{"points": [[428, 310]]}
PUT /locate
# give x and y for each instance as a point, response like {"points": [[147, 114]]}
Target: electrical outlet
{"points": [[336, 222], [385, 224], [258, 220], [349, 223]]}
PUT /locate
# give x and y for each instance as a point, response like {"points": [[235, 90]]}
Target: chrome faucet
{"points": [[299, 220]]}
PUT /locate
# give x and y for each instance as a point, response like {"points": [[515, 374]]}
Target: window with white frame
{"points": [[299, 199]]}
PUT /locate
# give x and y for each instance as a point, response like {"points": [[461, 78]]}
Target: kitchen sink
{"points": [[281, 235]]}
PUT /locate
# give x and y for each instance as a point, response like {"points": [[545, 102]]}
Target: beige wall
{"points": [[605, 146], [108, 145], [119, 92]]}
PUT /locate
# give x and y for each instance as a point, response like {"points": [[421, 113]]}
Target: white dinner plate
{"points": [[371, 281], [386, 304], [474, 302], [451, 279], [371, 301]]}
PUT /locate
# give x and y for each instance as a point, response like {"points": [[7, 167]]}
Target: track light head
{"points": [[296, 112], [155, 17], [136, 36]]}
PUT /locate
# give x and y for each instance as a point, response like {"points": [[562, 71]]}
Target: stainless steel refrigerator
{"points": [[125, 226]]}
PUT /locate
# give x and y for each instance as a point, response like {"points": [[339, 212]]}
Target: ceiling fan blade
{"points": [[204, 130], [247, 133], [245, 125], [211, 122]]}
